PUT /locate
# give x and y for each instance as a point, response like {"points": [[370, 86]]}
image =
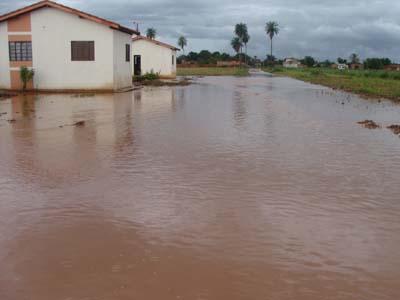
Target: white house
{"points": [[291, 63], [151, 55], [68, 49], [342, 67]]}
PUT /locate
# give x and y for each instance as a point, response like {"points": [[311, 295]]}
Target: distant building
{"points": [[153, 56], [356, 66], [67, 48], [393, 67], [291, 63], [334, 66], [233, 63], [342, 66]]}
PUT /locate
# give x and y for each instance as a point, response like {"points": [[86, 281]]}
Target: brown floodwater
{"points": [[231, 188]]}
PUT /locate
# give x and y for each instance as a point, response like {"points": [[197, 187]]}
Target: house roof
{"points": [[81, 14], [140, 37]]}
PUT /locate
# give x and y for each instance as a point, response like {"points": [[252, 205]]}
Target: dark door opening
{"points": [[137, 65]]}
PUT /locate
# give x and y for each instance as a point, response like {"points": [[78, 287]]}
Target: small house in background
{"points": [[67, 48], [342, 67], [228, 64], [393, 67], [153, 56], [334, 66], [291, 63], [356, 66]]}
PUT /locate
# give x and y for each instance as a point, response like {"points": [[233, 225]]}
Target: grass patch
{"points": [[146, 77], [384, 84], [212, 71]]}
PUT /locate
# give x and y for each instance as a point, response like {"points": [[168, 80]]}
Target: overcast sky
{"points": [[320, 28]]}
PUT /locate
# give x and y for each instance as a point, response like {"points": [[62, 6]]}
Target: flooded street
{"points": [[230, 188]]}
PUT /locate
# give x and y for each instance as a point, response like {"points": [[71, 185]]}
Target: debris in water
{"points": [[11, 121], [369, 124], [80, 123], [394, 128]]}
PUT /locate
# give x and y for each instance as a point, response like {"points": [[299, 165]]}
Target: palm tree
{"points": [[236, 44], [182, 42], [241, 32], [354, 58], [151, 33], [272, 29], [245, 40]]}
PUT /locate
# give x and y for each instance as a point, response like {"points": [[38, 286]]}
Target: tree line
{"points": [[241, 39]]}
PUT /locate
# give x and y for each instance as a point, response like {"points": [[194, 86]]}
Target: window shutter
{"points": [[127, 52], [82, 51]]}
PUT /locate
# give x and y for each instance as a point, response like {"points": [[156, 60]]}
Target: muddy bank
{"points": [[369, 124], [162, 82], [6, 95], [394, 128]]}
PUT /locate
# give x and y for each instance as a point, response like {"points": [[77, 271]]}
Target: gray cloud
{"points": [[321, 28]]}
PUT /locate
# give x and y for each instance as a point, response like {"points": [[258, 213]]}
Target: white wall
{"points": [[4, 58], [52, 33], [154, 57], [122, 68]]}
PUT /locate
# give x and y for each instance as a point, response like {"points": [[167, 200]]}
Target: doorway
{"points": [[137, 65]]}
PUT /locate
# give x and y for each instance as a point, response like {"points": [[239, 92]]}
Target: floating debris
{"points": [[80, 123], [11, 121], [394, 128], [369, 124]]}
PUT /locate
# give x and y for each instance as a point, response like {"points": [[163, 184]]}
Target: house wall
{"points": [[154, 57], [291, 65], [52, 33], [4, 58], [122, 68]]}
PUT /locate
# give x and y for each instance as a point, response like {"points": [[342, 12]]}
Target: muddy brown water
{"points": [[231, 188]]}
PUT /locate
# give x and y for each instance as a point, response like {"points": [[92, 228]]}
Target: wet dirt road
{"points": [[231, 188]]}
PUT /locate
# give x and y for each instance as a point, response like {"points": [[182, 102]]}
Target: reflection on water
{"points": [[232, 188]]}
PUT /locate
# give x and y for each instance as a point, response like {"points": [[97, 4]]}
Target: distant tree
{"points": [[245, 40], [354, 59], [204, 57], [341, 60], [181, 59], [272, 29], [236, 44], [308, 61], [151, 33], [182, 42], [241, 33], [376, 63], [225, 57], [270, 61], [192, 56], [386, 61], [326, 64]]}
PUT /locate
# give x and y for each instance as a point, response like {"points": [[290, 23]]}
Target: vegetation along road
{"points": [[372, 83]]}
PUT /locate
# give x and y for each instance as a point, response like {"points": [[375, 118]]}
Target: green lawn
{"points": [[212, 71], [365, 82]]}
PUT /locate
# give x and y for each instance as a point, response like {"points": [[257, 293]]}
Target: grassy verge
{"points": [[384, 84], [214, 71]]}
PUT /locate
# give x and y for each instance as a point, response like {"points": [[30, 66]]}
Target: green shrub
{"points": [[384, 75], [26, 75], [149, 76], [315, 72], [396, 76]]}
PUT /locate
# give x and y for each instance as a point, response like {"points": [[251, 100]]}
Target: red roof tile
{"points": [[140, 37], [81, 14]]}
